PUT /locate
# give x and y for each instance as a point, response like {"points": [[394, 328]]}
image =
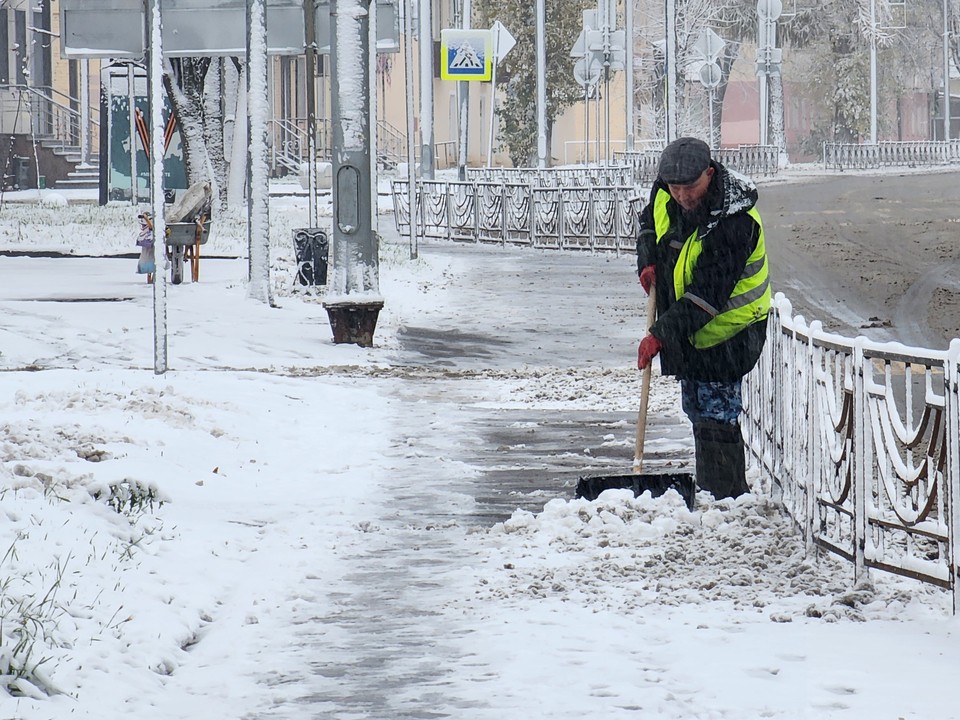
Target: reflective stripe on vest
{"points": [[750, 301]]}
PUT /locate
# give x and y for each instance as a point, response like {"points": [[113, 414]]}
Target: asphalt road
{"points": [[877, 256]]}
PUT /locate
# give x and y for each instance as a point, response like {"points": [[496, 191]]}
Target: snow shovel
{"points": [[590, 488]]}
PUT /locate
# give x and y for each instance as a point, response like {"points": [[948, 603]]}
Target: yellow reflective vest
{"points": [[750, 301]]}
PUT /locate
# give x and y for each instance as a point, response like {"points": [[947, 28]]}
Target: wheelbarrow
{"points": [[183, 241]]}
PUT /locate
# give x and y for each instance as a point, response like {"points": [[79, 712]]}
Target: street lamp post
{"points": [[541, 20], [628, 70], [946, 71], [670, 72], [426, 91], [768, 57], [873, 72]]}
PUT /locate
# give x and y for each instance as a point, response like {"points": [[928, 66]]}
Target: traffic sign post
{"points": [[767, 60], [503, 43], [709, 45], [710, 75], [599, 45]]}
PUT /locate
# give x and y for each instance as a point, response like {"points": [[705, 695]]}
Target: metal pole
{"points": [[762, 72], [85, 111], [374, 141], [606, 113], [628, 71], [586, 121], [311, 97], [541, 85], [155, 89], [670, 117], [606, 79], [946, 71], [764, 107], [411, 157], [713, 144], [873, 72], [355, 267], [596, 110], [132, 94], [426, 90], [258, 181], [493, 95], [463, 88]]}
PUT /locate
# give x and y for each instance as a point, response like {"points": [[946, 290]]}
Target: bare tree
{"points": [[196, 90]]}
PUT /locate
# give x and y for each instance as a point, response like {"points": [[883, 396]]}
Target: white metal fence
{"points": [[578, 217], [860, 441], [844, 156], [750, 160], [554, 177], [593, 207]]}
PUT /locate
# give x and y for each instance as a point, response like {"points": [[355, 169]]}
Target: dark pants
{"points": [[714, 409], [719, 402]]}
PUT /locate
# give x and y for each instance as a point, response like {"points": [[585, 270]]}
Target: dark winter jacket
{"points": [[729, 235]]}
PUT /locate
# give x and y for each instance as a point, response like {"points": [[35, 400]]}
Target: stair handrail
{"points": [[289, 145], [53, 118], [393, 142]]}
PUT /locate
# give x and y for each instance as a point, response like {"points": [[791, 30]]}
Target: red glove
{"points": [[648, 278], [649, 348]]}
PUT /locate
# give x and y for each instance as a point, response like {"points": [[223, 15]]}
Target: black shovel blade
{"points": [[589, 488]]}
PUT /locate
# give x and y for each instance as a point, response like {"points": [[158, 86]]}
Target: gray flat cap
{"points": [[683, 161]]}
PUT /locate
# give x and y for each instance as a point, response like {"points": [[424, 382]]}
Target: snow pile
{"points": [[624, 554]]}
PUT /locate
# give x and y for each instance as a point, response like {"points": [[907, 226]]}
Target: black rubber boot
{"points": [[721, 466]]}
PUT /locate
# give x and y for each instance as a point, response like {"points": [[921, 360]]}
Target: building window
{"points": [[19, 54], [4, 48], [42, 69]]}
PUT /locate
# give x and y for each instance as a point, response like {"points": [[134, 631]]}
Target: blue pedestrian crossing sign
{"points": [[466, 54]]}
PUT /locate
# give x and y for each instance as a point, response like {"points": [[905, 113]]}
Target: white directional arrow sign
{"points": [[589, 22], [708, 45], [503, 41], [579, 48]]}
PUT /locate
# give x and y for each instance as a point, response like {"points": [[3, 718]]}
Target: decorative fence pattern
{"points": [[554, 177], [750, 160], [568, 217], [643, 163], [860, 442], [843, 156]]}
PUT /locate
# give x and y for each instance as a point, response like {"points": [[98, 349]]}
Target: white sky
{"points": [[319, 552]]}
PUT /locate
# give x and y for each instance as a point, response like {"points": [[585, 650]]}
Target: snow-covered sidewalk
{"points": [[280, 527]]}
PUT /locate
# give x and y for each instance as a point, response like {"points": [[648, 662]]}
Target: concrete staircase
{"points": [[85, 176], [64, 167]]}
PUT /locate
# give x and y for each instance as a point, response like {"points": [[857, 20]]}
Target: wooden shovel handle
{"points": [[645, 388]]}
